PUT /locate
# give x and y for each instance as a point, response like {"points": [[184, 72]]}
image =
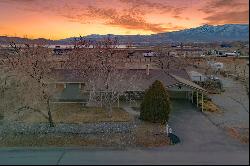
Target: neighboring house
{"points": [[177, 82], [223, 53], [196, 76]]}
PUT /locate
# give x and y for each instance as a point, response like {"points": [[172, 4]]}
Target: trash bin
{"points": [[174, 139]]}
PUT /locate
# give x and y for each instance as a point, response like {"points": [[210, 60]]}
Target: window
{"points": [[60, 86]]}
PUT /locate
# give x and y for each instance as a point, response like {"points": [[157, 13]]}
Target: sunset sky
{"points": [[57, 19]]}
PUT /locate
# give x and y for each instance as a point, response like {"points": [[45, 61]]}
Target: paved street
{"points": [[78, 156]]}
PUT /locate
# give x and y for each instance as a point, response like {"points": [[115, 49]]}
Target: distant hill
{"points": [[19, 40], [205, 33], [209, 33]]}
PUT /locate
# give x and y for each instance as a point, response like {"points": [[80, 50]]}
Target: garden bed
{"points": [[211, 107]]}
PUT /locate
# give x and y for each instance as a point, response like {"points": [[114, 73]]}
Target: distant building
{"points": [[216, 65], [231, 54], [223, 53], [196, 76], [58, 50], [189, 51], [149, 54]]}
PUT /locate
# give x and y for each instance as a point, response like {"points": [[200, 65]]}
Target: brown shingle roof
{"points": [[134, 79]]}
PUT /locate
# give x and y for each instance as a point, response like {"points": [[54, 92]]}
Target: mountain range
{"points": [[205, 33]]}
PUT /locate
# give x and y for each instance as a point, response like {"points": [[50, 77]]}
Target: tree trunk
{"points": [[51, 123], [110, 110]]}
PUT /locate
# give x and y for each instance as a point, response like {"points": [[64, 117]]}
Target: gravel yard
{"points": [[106, 134], [88, 128]]}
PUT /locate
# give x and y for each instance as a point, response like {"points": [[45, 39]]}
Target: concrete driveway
{"points": [[197, 132]]}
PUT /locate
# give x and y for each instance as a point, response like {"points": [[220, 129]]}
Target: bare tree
{"points": [[31, 64], [98, 67], [167, 62], [5, 85]]}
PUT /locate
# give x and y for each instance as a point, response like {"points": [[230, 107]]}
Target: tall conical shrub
{"points": [[155, 106]]}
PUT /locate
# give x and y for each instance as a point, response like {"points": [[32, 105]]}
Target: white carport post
{"points": [[202, 101], [197, 99], [192, 99]]}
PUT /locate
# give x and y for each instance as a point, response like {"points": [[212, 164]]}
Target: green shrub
{"points": [[155, 106]]}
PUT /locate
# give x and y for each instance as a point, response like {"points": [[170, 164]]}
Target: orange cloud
{"points": [[234, 17], [226, 11], [151, 6], [127, 20]]}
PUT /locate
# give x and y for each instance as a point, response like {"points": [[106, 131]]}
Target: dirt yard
{"points": [[141, 135], [75, 113]]}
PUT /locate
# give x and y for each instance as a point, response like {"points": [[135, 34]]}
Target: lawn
{"points": [[75, 113]]}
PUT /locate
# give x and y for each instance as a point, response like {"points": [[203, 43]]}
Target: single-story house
{"points": [[177, 82]]}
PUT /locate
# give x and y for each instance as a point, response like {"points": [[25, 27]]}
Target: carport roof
{"points": [[188, 83]]}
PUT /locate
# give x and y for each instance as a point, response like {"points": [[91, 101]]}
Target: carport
{"points": [[185, 89]]}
